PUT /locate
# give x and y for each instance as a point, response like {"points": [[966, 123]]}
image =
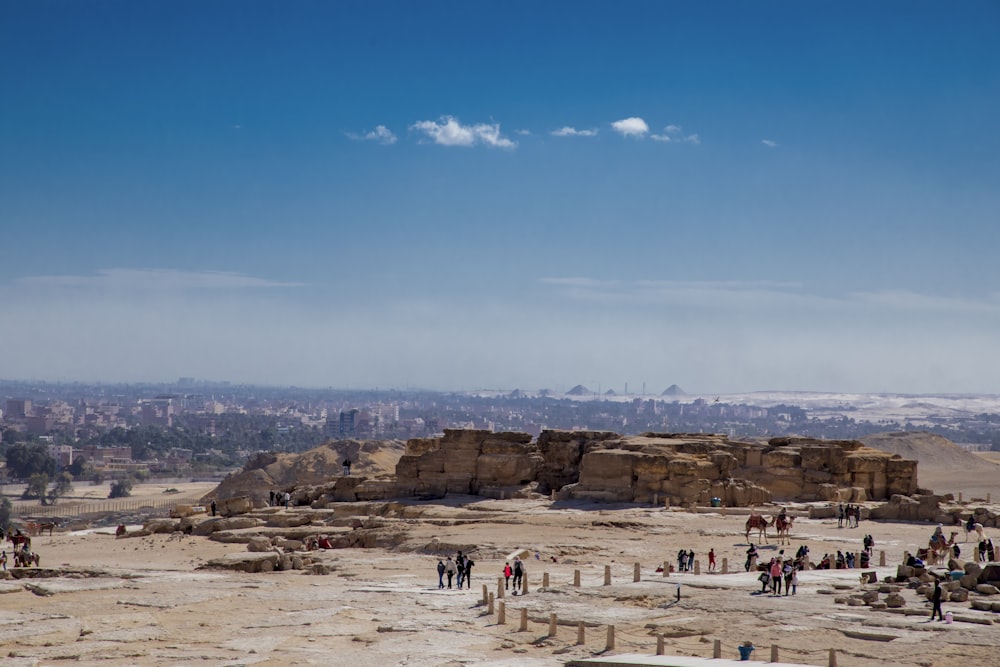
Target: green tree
{"points": [[78, 468], [63, 486], [38, 484], [6, 510], [121, 488], [11, 435], [27, 459]]}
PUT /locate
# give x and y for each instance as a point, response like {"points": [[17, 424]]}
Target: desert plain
{"points": [[149, 600]]}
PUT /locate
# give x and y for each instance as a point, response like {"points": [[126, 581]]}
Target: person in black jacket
{"points": [[936, 601]]}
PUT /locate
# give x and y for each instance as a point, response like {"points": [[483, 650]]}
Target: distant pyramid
{"points": [[610, 392], [673, 390], [579, 390]]}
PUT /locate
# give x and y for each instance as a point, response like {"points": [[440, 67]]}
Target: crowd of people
{"points": [[457, 570]]}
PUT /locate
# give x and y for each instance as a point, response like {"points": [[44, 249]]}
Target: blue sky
{"points": [[730, 196]]}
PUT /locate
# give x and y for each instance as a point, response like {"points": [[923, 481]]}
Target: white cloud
{"points": [[523, 133], [135, 279], [675, 133], [381, 134], [631, 127], [769, 143], [573, 132], [447, 131]]}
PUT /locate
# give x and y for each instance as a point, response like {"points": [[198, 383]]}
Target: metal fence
{"points": [[73, 509]]}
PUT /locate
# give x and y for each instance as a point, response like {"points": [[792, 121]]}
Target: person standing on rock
{"points": [[214, 508], [507, 571], [440, 573], [936, 601], [450, 569], [347, 467]]}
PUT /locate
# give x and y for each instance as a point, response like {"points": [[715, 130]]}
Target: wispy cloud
{"points": [[675, 134], [631, 127], [573, 132], [139, 279], [576, 281], [381, 135], [448, 131], [769, 143], [523, 133]]}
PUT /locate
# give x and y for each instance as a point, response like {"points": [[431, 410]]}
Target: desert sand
{"points": [[151, 605]]}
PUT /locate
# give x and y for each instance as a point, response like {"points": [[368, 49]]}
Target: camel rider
{"points": [[970, 525], [938, 536], [781, 514]]}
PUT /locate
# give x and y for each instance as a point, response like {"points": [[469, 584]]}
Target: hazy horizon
{"points": [[448, 195]]}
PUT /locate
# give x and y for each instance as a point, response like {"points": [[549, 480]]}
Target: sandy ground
{"points": [[383, 607]]}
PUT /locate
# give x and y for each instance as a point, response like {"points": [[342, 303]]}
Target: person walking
{"points": [[795, 580], [449, 570], [460, 568], [288, 499], [840, 516], [776, 577], [518, 573], [711, 560], [468, 572], [936, 601], [507, 572], [440, 573]]}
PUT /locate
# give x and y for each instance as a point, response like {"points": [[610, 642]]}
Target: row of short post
{"points": [[500, 608]]}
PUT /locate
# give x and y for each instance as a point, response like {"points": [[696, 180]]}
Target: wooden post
{"points": [[881, 558], [545, 580], [697, 567], [579, 634], [611, 638], [857, 559], [502, 614], [725, 566], [659, 644], [524, 620], [666, 568], [774, 653], [607, 575], [553, 624], [717, 649], [500, 587], [635, 573], [832, 662], [524, 584], [490, 608], [576, 578], [486, 594]]}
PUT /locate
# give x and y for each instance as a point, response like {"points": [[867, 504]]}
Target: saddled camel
{"points": [[939, 550], [760, 523]]}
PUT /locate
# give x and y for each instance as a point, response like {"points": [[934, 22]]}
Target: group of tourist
{"points": [[849, 514], [457, 570], [780, 571], [685, 561]]}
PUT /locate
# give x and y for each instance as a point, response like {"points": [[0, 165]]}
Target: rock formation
{"points": [[675, 468]]}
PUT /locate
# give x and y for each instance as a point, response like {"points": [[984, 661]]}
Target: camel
{"points": [[784, 528], [759, 522], [938, 549]]}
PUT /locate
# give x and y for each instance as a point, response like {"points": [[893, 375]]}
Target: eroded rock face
{"points": [[664, 467]]}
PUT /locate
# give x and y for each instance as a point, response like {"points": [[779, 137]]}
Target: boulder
{"points": [[959, 595], [969, 581], [259, 544], [895, 601], [987, 589]]}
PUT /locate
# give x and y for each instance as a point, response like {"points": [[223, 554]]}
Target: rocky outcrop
{"points": [[672, 467]]}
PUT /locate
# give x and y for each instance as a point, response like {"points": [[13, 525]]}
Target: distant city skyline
{"points": [[730, 197]]}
